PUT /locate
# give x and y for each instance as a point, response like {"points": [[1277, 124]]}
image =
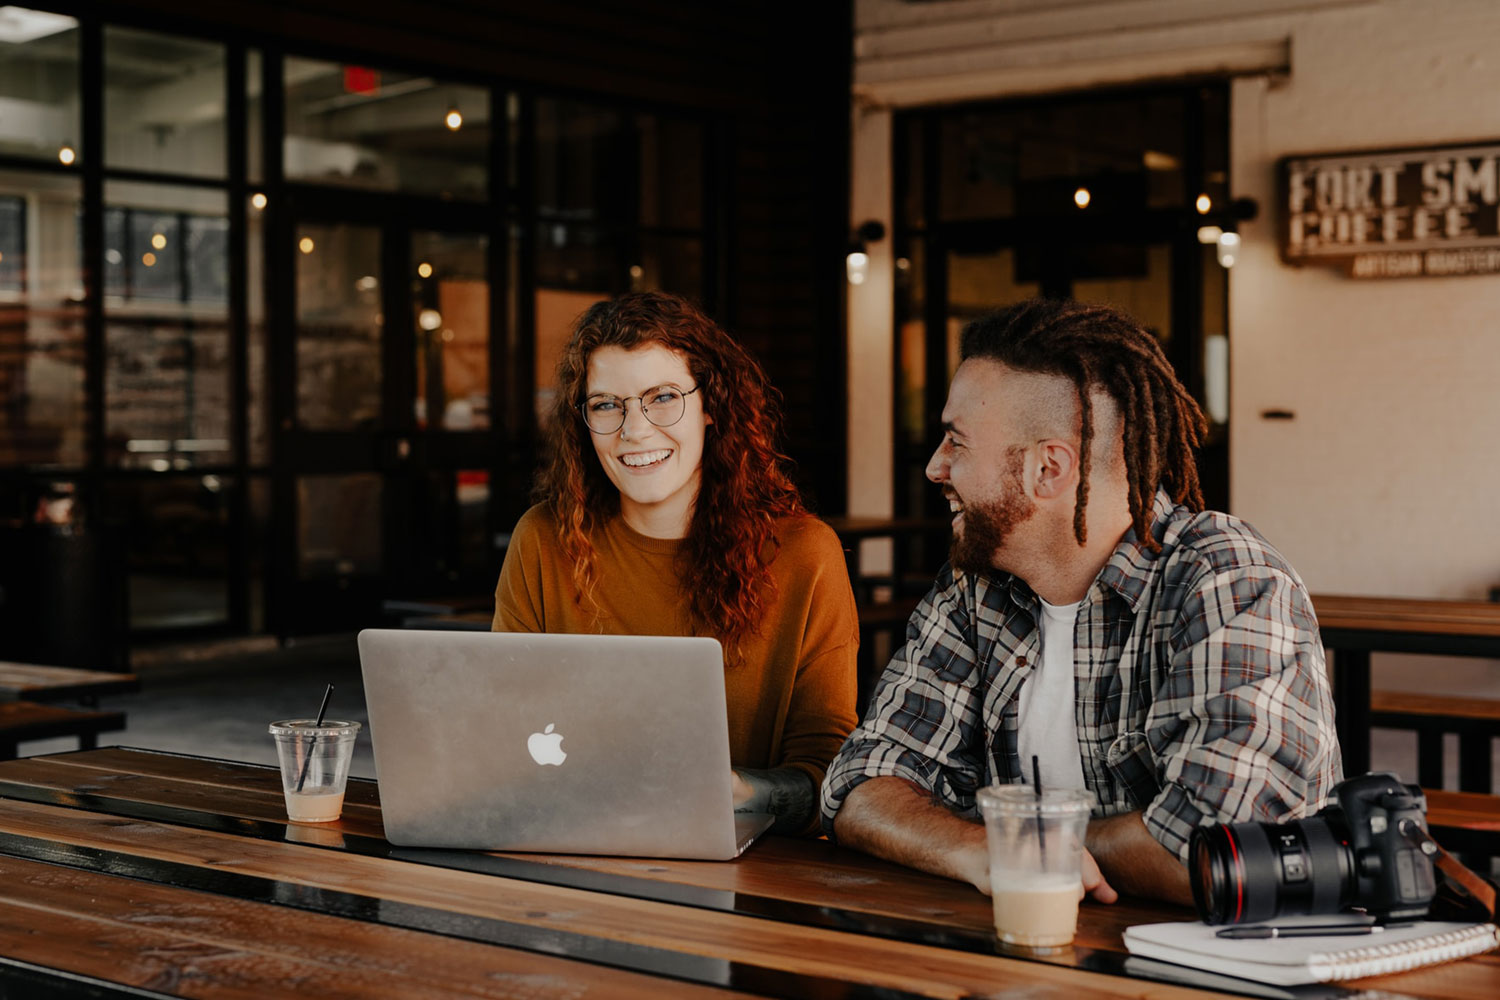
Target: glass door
{"points": [[385, 439]]}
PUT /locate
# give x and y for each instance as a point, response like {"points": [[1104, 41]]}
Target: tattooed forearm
{"points": [[787, 793]]}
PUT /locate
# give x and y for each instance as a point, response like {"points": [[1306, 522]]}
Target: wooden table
{"points": [[35, 682], [1353, 627], [129, 873]]}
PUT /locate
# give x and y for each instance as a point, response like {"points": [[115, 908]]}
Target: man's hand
{"points": [[1094, 883], [894, 819], [1136, 861]]}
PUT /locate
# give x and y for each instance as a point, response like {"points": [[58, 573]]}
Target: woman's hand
{"points": [[741, 789]]}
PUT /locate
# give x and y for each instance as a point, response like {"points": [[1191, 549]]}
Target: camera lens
{"points": [[1248, 872]]}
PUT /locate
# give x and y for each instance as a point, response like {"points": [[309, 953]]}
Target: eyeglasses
{"points": [[662, 406]]}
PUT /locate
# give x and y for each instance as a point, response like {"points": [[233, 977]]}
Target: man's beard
{"points": [[987, 524]]}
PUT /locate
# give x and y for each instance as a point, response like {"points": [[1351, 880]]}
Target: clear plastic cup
{"points": [[1036, 879], [315, 760]]}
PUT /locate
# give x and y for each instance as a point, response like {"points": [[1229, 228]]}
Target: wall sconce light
{"points": [[857, 261], [1226, 248], [1222, 236]]}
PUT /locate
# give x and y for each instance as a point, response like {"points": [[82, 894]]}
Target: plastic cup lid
{"points": [[1023, 798], [310, 727]]}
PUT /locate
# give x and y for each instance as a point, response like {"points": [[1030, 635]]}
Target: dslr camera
{"points": [[1354, 853]]}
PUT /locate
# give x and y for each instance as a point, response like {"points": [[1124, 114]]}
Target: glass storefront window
{"points": [[672, 157], [254, 127], [669, 264], [163, 103], [166, 327], [576, 267], [42, 403], [1031, 159], [451, 316], [339, 519], [177, 549], [39, 108], [355, 126], [584, 157], [257, 346], [599, 164], [339, 324]]}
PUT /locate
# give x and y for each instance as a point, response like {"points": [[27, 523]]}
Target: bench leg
{"points": [[1430, 758], [7, 750], [1474, 762], [88, 741], [1351, 706]]}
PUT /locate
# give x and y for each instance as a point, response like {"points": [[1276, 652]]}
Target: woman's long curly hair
{"points": [[743, 487]]}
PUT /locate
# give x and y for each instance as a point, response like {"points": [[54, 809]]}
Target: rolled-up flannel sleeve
{"points": [[924, 722], [1241, 726]]}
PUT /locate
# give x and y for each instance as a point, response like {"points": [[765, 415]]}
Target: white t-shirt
{"points": [[1046, 725]]}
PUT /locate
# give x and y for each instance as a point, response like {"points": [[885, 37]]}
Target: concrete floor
{"points": [[219, 705]]}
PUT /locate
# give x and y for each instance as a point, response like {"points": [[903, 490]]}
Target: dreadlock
{"points": [[1099, 348]]}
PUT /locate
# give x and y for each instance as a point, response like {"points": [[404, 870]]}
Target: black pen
{"points": [[1312, 930]]}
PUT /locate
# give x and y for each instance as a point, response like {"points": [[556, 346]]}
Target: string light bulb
{"points": [[1081, 197], [258, 200], [453, 119], [66, 156], [305, 244], [424, 270], [1203, 204]]}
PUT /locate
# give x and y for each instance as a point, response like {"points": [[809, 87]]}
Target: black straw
{"points": [[322, 709], [1041, 826]]}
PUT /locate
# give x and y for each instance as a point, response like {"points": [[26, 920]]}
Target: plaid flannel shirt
{"points": [[1200, 693]]}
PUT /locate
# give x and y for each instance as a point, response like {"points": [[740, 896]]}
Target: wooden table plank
{"points": [[198, 770], [809, 872], [919, 969], [812, 872], [246, 802], [194, 944], [37, 682], [1341, 611]]}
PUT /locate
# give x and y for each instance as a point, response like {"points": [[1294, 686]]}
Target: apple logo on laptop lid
{"points": [[545, 747]]}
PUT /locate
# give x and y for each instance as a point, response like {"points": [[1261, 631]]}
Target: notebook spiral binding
{"points": [[1379, 960]]}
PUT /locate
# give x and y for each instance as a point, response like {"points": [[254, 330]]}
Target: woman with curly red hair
{"points": [[664, 509]]}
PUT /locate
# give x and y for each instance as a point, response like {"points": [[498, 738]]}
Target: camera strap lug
{"points": [[1481, 890]]}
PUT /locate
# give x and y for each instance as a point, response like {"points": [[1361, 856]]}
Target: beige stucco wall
{"points": [[1386, 480]]}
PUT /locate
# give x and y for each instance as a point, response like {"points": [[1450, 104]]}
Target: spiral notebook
{"points": [[1288, 961]]}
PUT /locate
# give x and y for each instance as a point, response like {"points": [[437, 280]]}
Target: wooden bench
{"points": [[27, 720], [36, 682], [1464, 822], [1475, 720]]}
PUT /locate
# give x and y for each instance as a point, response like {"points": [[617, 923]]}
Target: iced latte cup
{"points": [[315, 758], [1036, 844]]}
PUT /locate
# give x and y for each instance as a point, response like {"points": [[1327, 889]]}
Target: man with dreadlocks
{"points": [[1092, 616]]}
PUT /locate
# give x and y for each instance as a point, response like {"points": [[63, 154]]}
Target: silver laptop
{"points": [[569, 744]]}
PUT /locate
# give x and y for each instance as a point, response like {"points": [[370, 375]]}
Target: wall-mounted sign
{"points": [[1393, 213]]}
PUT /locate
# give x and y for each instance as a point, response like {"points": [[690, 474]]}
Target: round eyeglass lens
{"points": [[662, 406]]}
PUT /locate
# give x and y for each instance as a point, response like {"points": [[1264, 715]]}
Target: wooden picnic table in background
{"points": [[1354, 627], [37, 682], [184, 879]]}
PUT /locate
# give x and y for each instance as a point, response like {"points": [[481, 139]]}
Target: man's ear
{"points": [[1057, 472]]}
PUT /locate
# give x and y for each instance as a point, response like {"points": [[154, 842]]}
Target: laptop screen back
{"points": [[560, 743]]}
